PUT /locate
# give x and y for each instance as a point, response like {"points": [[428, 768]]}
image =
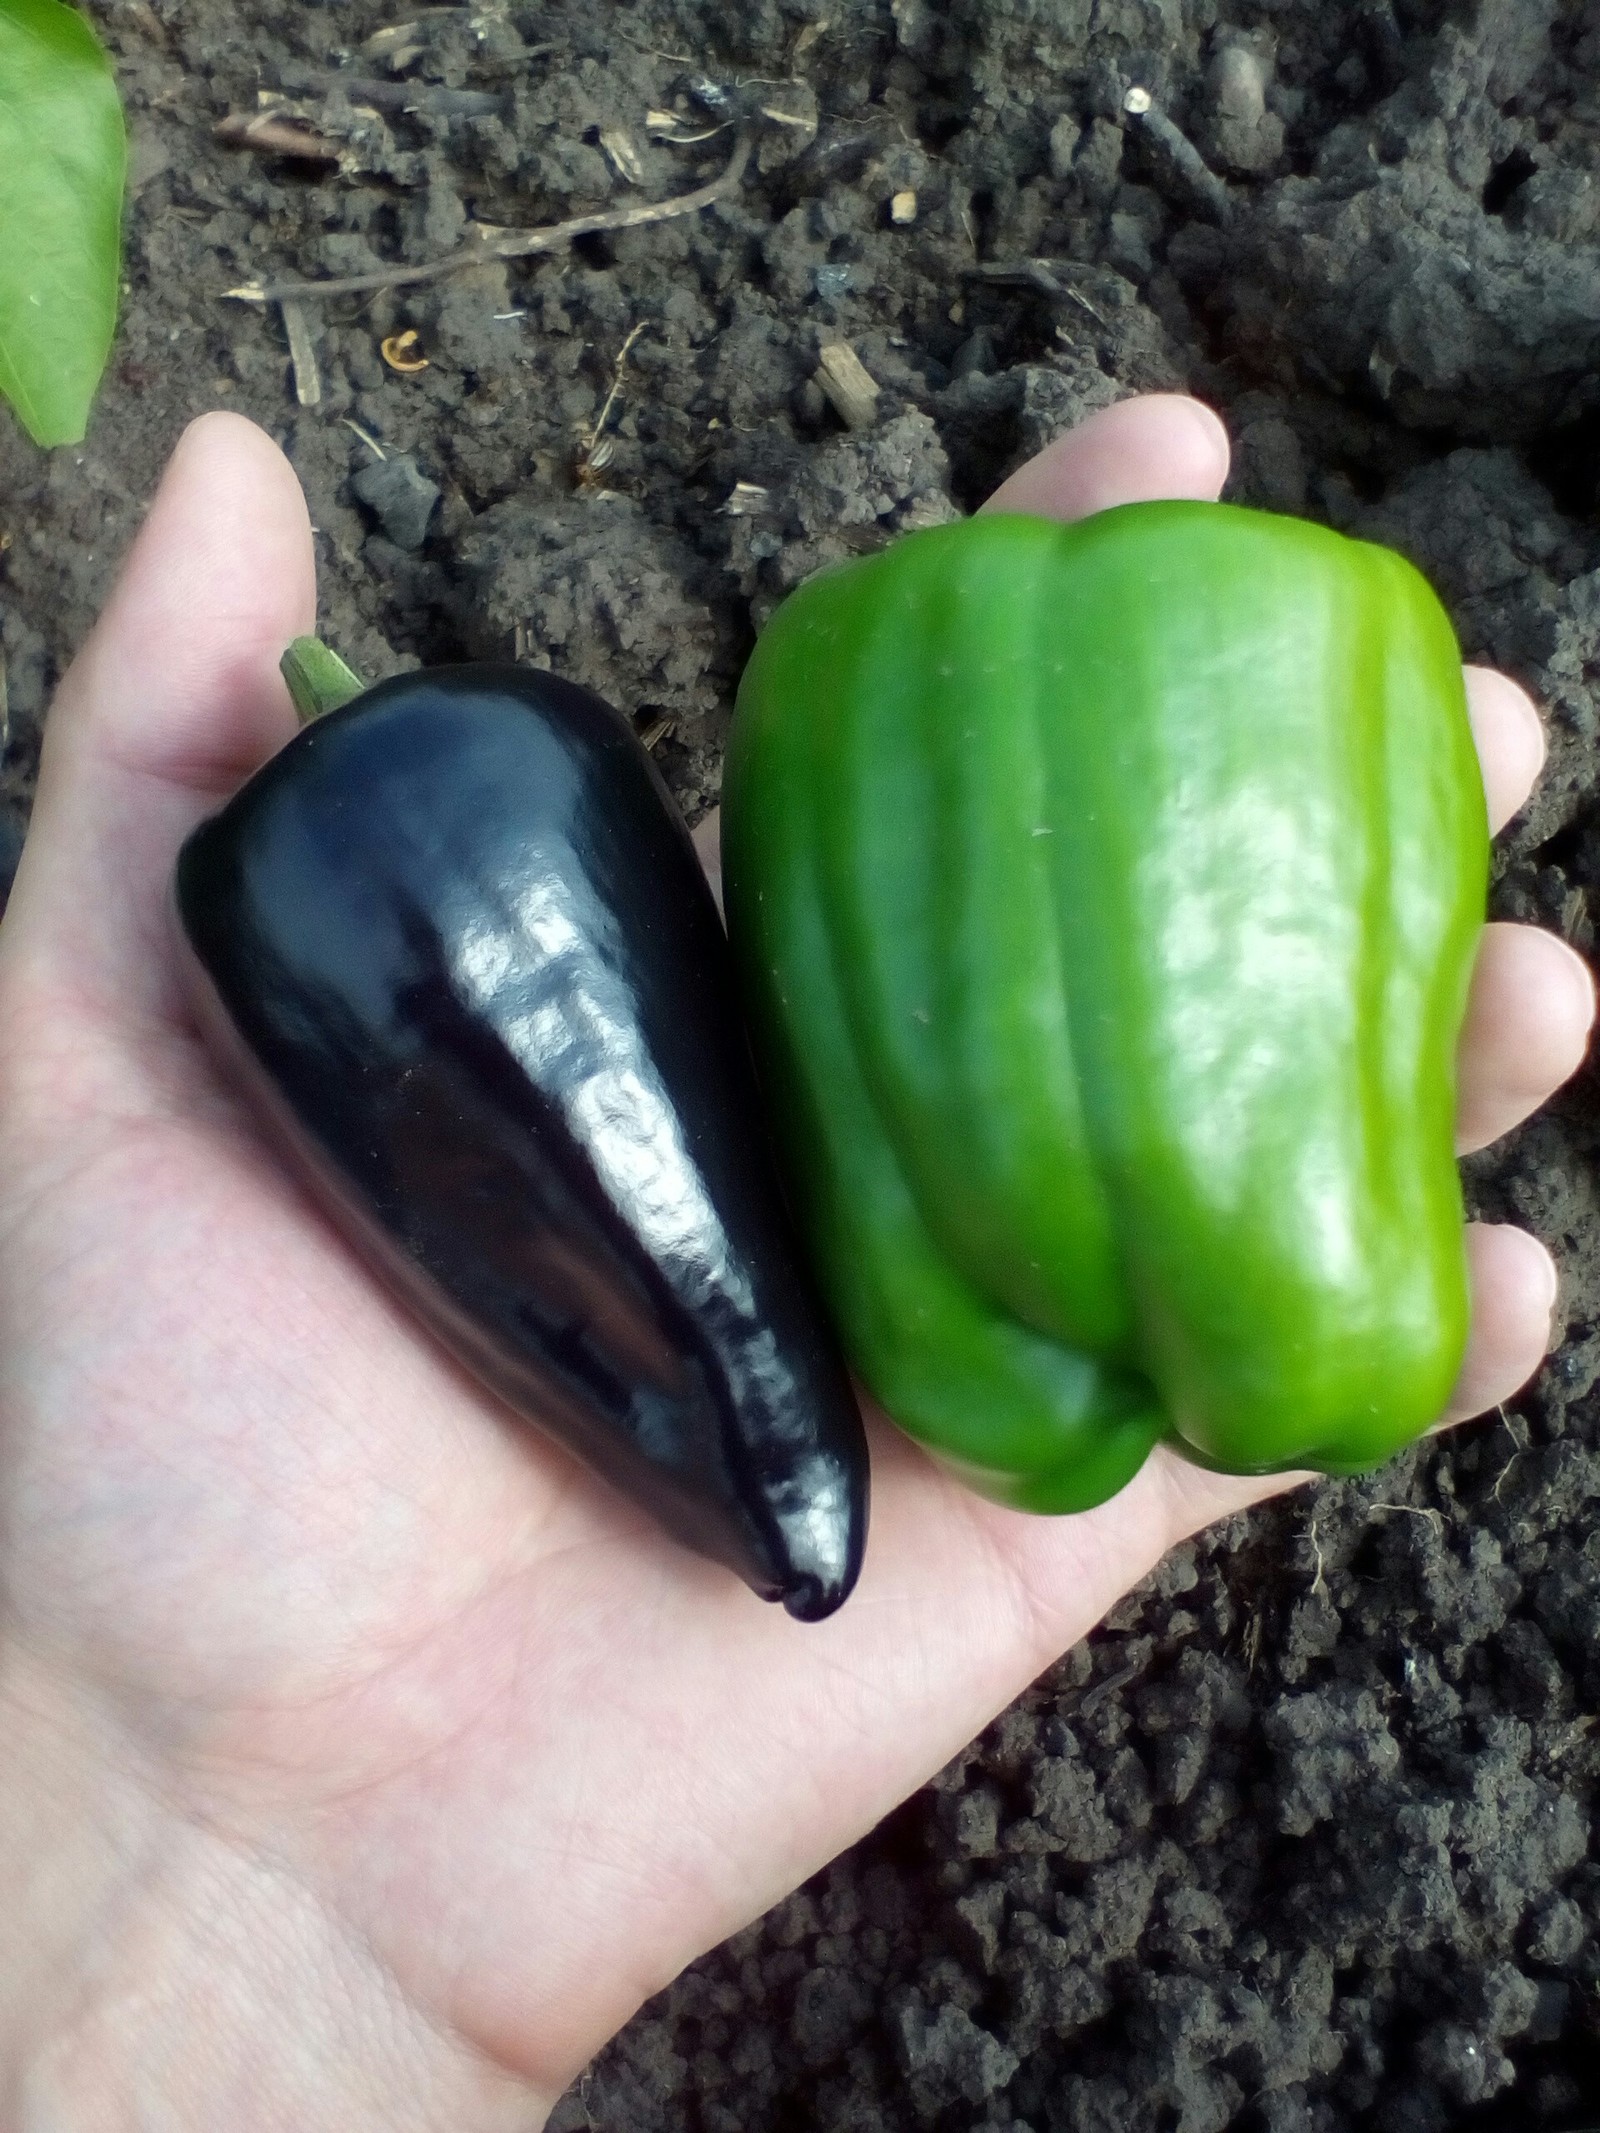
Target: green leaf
{"points": [[63, 157]]}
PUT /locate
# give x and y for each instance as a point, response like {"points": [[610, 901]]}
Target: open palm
{"points": [[336, 1705]]}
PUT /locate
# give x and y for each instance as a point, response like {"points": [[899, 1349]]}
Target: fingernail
{"points": [[1207, 420], [1552, 1282]]}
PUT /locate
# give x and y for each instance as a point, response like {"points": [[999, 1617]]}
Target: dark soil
{"points": [[1300, 1839]]}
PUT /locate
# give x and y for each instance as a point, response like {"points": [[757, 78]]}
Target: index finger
{"points": [[1145, 450], [1154, 446], [1167, 445], [1510, 738]]}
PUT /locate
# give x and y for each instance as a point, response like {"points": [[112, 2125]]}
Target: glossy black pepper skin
{"points": [[461, 934]]}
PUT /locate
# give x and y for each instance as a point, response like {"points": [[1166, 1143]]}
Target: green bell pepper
{"points": [[1106, 898]]}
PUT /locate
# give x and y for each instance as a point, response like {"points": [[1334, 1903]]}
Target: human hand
{"points": [[364, 1762]]}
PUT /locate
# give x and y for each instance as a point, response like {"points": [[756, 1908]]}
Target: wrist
{"points": [[156, 1970]]}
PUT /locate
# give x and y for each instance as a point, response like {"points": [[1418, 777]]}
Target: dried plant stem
{"points": [[302, 354], [513, 244], [271, 134]]}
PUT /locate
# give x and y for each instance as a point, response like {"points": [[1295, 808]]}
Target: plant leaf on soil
{"points": [[63, 157]]}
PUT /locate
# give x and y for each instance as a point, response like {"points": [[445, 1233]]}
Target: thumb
{"points": [[172, 701]]}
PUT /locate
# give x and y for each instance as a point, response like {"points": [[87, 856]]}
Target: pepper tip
{"points": [[813, 1599]]}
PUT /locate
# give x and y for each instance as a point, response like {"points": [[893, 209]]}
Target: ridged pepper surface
{"points": [[1106, 897]]}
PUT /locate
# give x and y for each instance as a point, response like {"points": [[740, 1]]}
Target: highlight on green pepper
{"points": [[1106, 897]]}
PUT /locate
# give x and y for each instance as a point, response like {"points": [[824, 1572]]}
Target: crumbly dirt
{"points": [[1299, 1840]]}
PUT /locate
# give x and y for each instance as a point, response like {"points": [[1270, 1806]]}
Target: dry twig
{"points": [[1319, 1583], [617, 144], [593, 440], [428, 99], [271, 135], [366, 437], [1180, 166], [302, 355], [490, 245], [1045, 276], [1412, 1510], [1108, 1687], [848, 385]]}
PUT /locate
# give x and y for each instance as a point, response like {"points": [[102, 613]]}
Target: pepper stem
{"points": [[319, 681]]}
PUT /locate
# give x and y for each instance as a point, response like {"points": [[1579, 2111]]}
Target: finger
{"points": [[174, 698], [1139, 451], [1194, 1497], [708, 850], [1527, 1028], [1510, 738], [1514, 1287], [170, 683], [1152, 446]]}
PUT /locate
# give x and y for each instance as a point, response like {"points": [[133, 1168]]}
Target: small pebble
{"points": [[1239, 85], [400, 496]]}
